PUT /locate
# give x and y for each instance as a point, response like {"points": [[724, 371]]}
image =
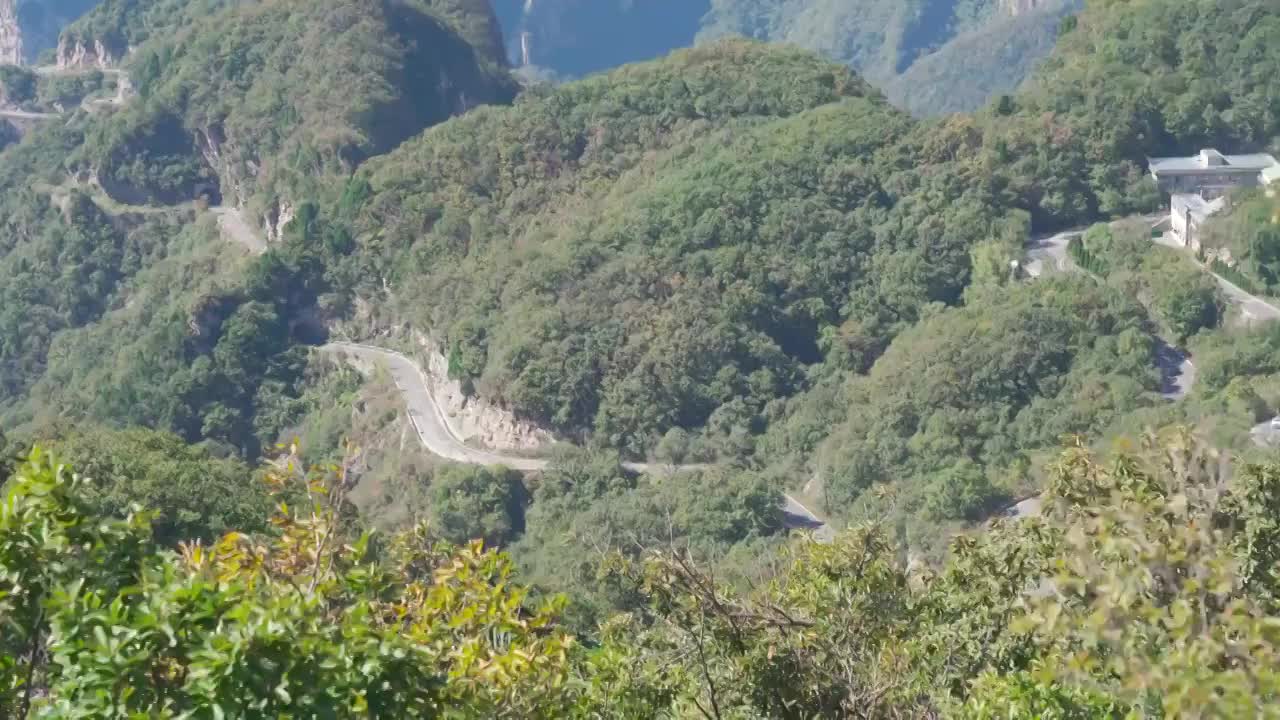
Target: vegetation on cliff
{"points": [[141, 301], [276, 100]]}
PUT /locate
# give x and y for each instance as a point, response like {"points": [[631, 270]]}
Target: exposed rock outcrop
{"points": [[474, 419], [75, 52], [277, 218], [10, 34], [237, 179], [1021, 7], [212, 144]]}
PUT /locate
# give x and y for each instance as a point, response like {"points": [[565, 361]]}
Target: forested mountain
{"points": [[739, 262], [981, 62], [883, 40], [265, 106], [694, 245], [272, 128], [673, 198], [930, 56], [634, 189]]}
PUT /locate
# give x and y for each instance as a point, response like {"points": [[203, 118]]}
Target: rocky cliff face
{"points": [[472, 418], [1021, 7], [10, 34], [76, 52]]}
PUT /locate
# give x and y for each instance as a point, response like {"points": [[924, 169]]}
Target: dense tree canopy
{"points": [[195, 495], [275, 99], [739, 256], [1176, 559], [722, 202]]}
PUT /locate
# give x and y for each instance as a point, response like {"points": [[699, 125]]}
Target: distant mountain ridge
{"points": [[929, 56], [970, 50], [984, 62]]}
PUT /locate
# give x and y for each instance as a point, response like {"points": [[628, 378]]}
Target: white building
{"points": [[1188, 214], [1197, 186], [1211, 174], [1271, 178]]}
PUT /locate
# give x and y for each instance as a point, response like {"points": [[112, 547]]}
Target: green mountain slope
{"points": [[668, 242], [981, 63], [1130, 80], [271, 99], [879, 39], [741, 255], [592, 285], [266, 105], [929, 56], [717, 243], [970, 50], [680, 244]]}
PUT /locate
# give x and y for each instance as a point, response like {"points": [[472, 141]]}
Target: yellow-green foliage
{"points": [[305, 620], [1146, 590], [1149, 587]]}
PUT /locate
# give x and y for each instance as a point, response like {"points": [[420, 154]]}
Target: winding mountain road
{"points": [[1252, 308], [55, 70], [123, 88], [24, 115], [439, 438], [1049, 253]]}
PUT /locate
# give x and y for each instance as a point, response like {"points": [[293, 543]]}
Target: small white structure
{"points": [[1188, 214], [1210, 174], [1271, 179]]}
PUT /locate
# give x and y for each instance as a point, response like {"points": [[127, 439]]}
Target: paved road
{"points": [[427, 417], [55, 70], [1031, 507], [234, 226], [24, 115], [1177, 372], [123, 87], [799, 517], [437, 437], [1049, 253], [1266, 434], [1252, 308]]}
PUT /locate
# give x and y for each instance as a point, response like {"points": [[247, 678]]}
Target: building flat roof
{"points": [[1253, 162]]}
